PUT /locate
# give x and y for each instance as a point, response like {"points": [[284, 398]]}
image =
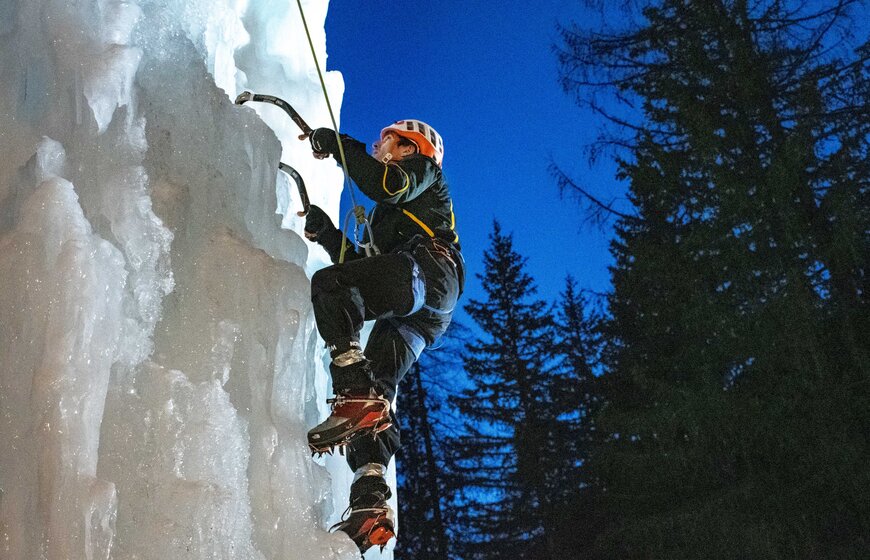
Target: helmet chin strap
{"points": [[387, 158]]}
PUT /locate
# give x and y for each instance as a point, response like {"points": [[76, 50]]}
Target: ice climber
{"points": [[410, 290]]}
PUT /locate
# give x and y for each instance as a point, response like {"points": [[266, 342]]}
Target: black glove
{"points": [[323, 141], [316, 222]]}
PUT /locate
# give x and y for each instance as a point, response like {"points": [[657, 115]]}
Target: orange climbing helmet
{"points": [[426, 138]]}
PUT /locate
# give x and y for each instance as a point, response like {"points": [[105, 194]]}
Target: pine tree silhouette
{"points": [[509, 464], [737, 374]]}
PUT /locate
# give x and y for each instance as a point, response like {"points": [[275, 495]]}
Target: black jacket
{"points": [[413, 214], [412, 200]]}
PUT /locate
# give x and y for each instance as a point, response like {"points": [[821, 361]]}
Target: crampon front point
{"points": [[353, 416]]}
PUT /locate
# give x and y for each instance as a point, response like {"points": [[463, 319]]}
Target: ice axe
{"points": [[300, 184], [246, 96]]}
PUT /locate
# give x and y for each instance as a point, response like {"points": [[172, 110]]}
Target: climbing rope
{"points": [[358, 211]]}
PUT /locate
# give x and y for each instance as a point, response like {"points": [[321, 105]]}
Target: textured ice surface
{"points": [[160, 365]]}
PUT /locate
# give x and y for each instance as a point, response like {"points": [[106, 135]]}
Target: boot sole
{"points": [[349, 431]]}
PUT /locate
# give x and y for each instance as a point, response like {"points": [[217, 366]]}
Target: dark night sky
{"points": [[485, 76]]}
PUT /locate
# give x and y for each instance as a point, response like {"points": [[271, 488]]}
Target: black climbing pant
{"points": [[410, 295]]}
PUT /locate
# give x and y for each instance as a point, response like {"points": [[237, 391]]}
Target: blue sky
{"points": [[484, 75]]}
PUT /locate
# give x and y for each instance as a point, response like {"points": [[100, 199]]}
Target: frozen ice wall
{"points": [[159, 365]]}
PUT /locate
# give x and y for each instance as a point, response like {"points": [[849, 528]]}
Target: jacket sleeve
{"points": [[332, 239], [390, 183]]}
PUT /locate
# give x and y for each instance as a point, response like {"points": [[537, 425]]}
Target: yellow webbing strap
{"points": [[420, 223], [427, 229]]}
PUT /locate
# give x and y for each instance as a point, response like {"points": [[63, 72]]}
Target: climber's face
{"points": [[389, 149]]}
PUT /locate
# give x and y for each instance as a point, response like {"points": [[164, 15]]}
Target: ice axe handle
{"points": [[246, 96], [300, 184]]}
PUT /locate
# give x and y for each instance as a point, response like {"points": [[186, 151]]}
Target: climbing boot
{"points": [[368, 526], [368, 521], [354, 414]]}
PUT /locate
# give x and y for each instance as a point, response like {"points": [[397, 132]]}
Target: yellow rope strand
{"points": [[359, 212]]}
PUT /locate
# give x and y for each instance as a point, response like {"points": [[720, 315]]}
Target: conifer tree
{"points": [[578, 343], [508, 463], [427, 504], [737, 374], [578, 346]]}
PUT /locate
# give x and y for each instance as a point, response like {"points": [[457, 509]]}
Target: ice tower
{"points": [[159, 365]]}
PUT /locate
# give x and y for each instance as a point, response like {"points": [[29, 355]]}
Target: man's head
{"points": [[392, 147], [403, 138]]}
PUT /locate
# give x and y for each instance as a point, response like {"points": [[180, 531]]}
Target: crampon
{"points": [[368, 527], [353, 416]]}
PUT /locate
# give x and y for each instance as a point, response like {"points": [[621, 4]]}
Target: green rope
{"points": [[358, 210]]}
